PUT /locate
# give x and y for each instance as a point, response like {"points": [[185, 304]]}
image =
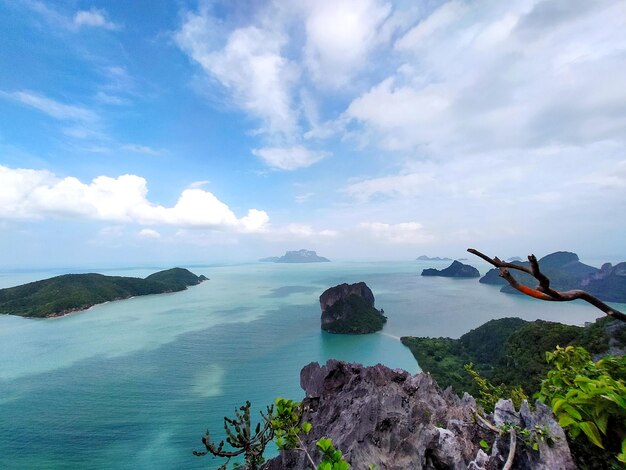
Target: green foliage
{"points": [[287, 425], [485, 445], [354, 316], [507, 351], [241, 438], [332, 459], [444, 358], [588, 398], [71, 292], [489, 394]]}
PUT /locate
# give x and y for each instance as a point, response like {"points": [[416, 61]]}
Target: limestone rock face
{"points": [[398, 421], [343, 291], [349, 309]]}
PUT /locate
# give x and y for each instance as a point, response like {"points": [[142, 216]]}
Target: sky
{"points": [[158, 132]]}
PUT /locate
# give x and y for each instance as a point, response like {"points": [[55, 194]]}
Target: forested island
{"points": [[60, 295], [510, 351], [349, 309]]}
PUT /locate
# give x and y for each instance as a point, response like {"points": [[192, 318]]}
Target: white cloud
{"points": [[483, 82], [402, 233], [29, 194], [148, 233], [340, 36], [250, 66], [95, 18], [290, 158], [51, 107]]}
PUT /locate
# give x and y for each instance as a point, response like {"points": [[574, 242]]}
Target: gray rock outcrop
{"points": [[398, 421]]}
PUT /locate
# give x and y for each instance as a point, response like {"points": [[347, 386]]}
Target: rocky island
{"points": [[297, 256], [566, 272], [456, 269], [60, 295], [428, 258], [349, 309]]}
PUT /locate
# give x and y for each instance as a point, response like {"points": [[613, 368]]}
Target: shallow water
{"points": [[135, 383]]}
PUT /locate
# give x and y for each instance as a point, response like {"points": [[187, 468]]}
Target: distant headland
{"points": [[297, 256], [60, 295]]}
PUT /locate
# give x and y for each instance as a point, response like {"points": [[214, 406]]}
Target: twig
{"points": [[303, 449], [509, 461], [543, 291]]}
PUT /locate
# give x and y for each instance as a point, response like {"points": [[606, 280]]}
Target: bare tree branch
{"points": [[543, 291], [512, 447]]}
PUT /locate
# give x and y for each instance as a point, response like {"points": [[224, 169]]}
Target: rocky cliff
{"points": [[349, 309], [456, 269], [399, 421]]}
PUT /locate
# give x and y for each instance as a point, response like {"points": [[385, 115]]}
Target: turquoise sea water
{"points": [[135, 383]]}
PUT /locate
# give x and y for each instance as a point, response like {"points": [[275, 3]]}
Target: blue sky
{"points": [[196, 132]]}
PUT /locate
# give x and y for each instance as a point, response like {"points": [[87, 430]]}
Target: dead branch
{"points": [[543, 291], [512, 447]]}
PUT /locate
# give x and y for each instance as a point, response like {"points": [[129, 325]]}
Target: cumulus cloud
{"points": [[250, 66], [340, 37], [402, 233], [289, 158], [28, 194]]}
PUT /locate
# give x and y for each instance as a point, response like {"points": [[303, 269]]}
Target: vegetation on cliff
{"points": [[354, 316], [510, 351], [68, 293], [349, 309]]}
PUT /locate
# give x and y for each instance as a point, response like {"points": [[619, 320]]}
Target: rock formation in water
{"points": [[428, 258], [399, 421], [349, 309], [566, 272], [297, 256], [456, 269]]}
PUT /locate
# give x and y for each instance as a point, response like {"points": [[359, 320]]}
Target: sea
{"points": [[135, 384]]}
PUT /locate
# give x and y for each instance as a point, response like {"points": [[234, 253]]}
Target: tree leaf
{"points": [[591, 431]]}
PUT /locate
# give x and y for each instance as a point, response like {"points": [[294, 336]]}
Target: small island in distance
{"points": [[60, 295], [428, 258], [456, 269], [297, 256]]}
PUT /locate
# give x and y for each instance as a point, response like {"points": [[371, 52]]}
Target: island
{"points": [[297, 256], [436, 258], [456, 269], [566, 272], [60, 295], [511, 351], [349, 309], [514, 258]]}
